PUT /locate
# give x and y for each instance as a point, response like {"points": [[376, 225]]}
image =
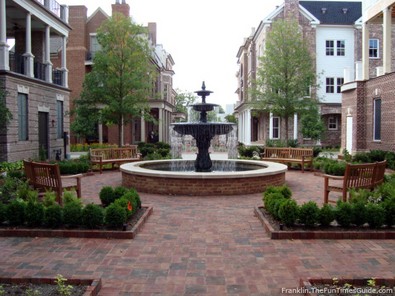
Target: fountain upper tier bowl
{"points": [[254, 177]]}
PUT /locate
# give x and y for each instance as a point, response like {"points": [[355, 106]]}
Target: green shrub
{"points": [[389, 207], [34, 213], [377, 155], [326, 215], [386, 190], [336, 168], [288, 212], [53, 216], [107, 195], [92, 216], [249, 151], [276, 207], [49, 198], [309, 214], [344, 213], [284, 190], [134, 197], [151, 151], [3, 211], [358, 213], [16, 212], [316, 151], [269, 200], [74, 166], [361, 157], [71, 197], [72, 213], [115, 216], [375, 215], [11, 187], [119, 191]]}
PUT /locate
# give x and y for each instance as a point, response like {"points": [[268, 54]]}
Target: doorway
{"points": [[43, 132]]}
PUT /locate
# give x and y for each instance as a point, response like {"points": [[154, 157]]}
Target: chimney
{"points": [[291, 9], [123, 8], [152, 32]]}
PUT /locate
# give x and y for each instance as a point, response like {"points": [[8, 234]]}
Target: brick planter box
{"points": [[116, 234], [321, 234], [93, 285]]}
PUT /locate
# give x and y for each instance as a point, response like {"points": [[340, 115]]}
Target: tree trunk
{"points": [[120, 132], [286, 130]]}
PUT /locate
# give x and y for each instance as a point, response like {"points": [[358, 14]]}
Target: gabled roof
{"points": [[334, 13], [98, 10]]}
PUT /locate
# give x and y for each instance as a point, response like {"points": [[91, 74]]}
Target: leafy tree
{"points": [[231, 118], [121, 80], [285, 74], [6, 115], [311, 122]]}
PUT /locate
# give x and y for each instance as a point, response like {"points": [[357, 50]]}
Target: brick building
{"points": [[81, 49], [34, 75], [368, 97], [332, 29]]}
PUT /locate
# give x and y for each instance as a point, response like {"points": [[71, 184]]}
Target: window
{"points": [[276, 127], [341, 48], [332, 123], [95, 46], [373, 48], [330, 47], [330, 85], [340, 82], [59, 119], [23, 131], [377, 120]]}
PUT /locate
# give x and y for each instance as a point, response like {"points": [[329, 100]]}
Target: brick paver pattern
{"points": [[198, 246]]}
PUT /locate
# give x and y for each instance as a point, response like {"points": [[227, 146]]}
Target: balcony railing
{"points": [[55, 7], [17, 65]]}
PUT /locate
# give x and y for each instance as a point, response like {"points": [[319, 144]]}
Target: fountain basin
{"points": [[255, 179]]}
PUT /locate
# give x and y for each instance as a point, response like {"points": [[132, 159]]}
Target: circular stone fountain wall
{"points": [[255, 180]]}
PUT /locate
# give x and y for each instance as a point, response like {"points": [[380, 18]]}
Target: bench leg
{"points": [[326, 191]]}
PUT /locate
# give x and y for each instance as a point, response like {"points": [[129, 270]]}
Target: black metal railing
{"points": [[39, 70], [17, 62], [57, 77], [54, 7]]}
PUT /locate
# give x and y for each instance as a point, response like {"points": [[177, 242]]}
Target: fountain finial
{"points": [[203, 86]]}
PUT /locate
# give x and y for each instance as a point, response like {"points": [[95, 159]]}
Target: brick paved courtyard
{"points": [[198, 246]]}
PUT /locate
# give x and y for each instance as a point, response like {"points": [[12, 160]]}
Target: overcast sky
{"points": [[203, 37]]}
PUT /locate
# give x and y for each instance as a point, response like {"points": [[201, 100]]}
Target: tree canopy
{"points": [[121, 80], [285, 73]]}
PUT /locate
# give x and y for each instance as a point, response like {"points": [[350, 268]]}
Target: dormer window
{"points": [[345, 10], [323, 10]]}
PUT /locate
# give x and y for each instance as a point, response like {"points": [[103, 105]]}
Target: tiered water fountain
{"points": [[203, 131], [202, 176]]}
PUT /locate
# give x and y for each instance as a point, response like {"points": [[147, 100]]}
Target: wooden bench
{"points": [[46, 176], [356, 176], [114, 156], [288, 155]]}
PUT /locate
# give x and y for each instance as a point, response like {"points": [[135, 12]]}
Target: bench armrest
{"points": [[326, 176], [77, 176]]}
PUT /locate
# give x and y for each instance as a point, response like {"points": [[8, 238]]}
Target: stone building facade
{"points": [[34, 77]]}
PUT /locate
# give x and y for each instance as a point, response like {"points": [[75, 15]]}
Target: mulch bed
{"points": [[47, 286], [129, 232], [278, 231]]}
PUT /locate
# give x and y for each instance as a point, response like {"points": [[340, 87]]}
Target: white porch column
{"points": [[29, 57], [142, 123], [271, 126], [365, 51], [65, 72], [295, 126], [4, 47], [47, 58], [161, 122], [100, 131], [387, 39], [349, 133], [248, 127]]}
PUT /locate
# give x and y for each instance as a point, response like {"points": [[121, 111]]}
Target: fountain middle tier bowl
{"points": [[248, 177], [203, 128]]}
